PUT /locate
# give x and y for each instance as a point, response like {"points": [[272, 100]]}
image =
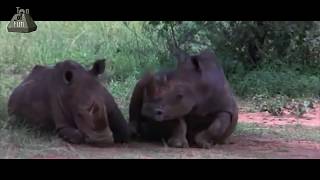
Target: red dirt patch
{"points": [[243, 146], [311, 118]]}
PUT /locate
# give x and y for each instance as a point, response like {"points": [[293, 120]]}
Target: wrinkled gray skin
{"points": [[71, 100], [190, 104]]}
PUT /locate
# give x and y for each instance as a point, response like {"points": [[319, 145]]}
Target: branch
{"points": [[173, 35]]}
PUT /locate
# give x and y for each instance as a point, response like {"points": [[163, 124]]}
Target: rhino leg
{"points": [[216, 131], [133, 129], [118, 125], [65, 129], [71, 135], [178, 138]]}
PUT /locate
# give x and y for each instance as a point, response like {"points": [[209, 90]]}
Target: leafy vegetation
{"points": [[260, 58]]}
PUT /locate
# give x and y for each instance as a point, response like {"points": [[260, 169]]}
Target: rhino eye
{"points": [[93, 108], [179, 96], [90, 109], [79, 115]]}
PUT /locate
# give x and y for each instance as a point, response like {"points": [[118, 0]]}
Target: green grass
{"points": [[288, 132], [122, 93], [126, 52]]}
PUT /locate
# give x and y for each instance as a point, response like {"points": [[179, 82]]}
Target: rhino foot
{"points": [[71, 135], [178, 142], [203, 140]]}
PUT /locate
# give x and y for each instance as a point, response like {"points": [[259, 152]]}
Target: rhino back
{"points": [[30, 99]]}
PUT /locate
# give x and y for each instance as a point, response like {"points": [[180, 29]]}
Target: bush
{"points": [[269, 82], [278, 104]]}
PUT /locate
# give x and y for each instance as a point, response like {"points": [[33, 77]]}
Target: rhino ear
{"points": [[180, 55], [165, 79], [68, 77], [150, 86], [98, 67], [195, 63], [162, 78]]}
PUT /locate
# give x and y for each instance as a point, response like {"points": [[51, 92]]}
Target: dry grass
{"points": [[22, 142]]}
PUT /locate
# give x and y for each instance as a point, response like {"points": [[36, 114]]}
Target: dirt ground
{"points": [[247, 147], [242, 144], [309, 119]]}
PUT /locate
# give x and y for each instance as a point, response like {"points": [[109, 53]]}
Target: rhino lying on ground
{"points": [[192, 104], [70, 99]]}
